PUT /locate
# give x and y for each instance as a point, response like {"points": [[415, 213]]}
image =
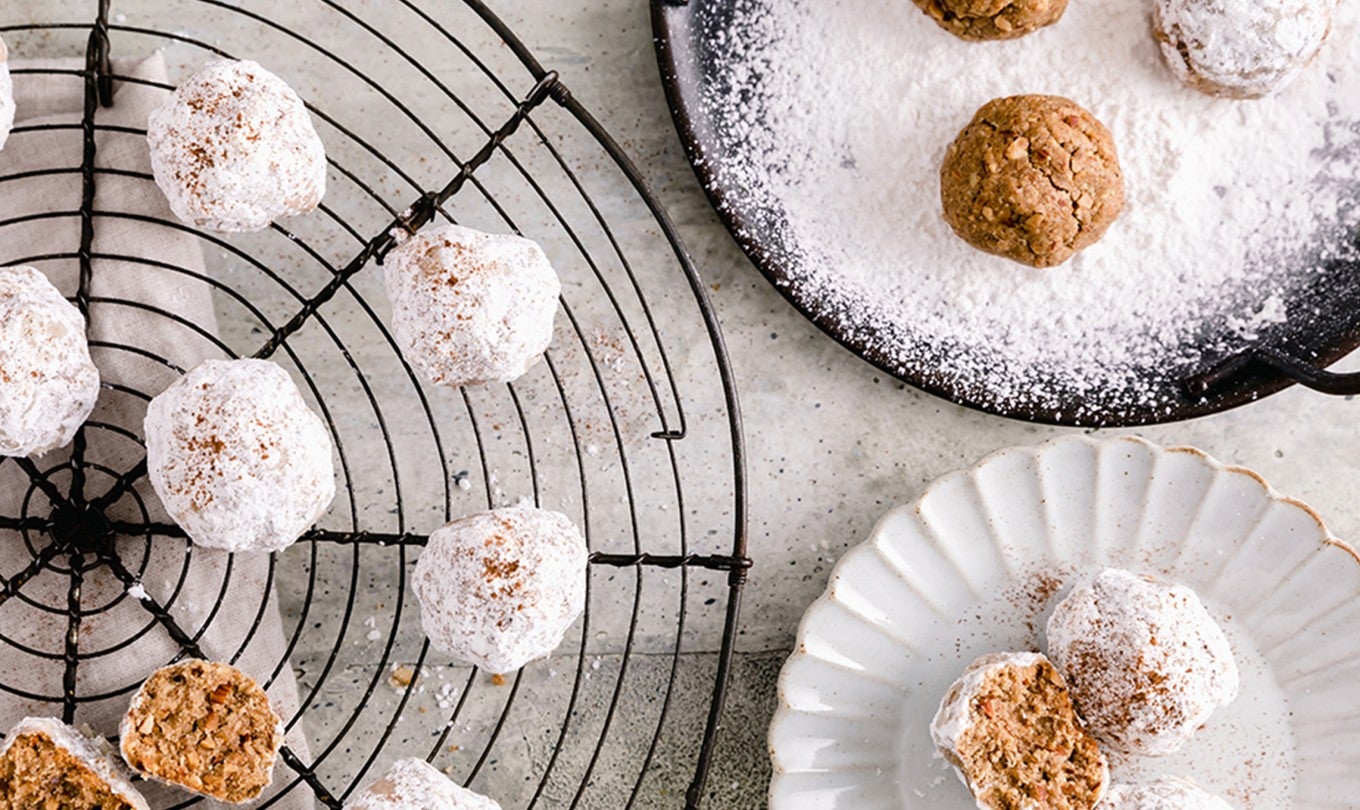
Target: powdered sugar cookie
{"points": [[234, 149], [48, 383], [1145, 661], [1240, 48], [471, 307], [6, 96], [499, 589], [205, 727], [46, 763], [1009, 729], [413, 784], [238, 459]]}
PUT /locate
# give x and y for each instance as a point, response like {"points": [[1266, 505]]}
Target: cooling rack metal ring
{"points": [[617, 455]]}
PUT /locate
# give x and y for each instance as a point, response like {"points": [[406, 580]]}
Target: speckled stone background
{"points": [[833, 443]]}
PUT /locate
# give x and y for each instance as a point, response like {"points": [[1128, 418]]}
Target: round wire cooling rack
{"points": [[631, 425]]}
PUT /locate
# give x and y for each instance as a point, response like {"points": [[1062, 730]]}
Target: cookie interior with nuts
{"points": [[1032, 178], [980, 20], [205, 727], [1009, 727]]}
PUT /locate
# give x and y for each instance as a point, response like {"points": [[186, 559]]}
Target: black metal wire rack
{"points": [[631, 425]]}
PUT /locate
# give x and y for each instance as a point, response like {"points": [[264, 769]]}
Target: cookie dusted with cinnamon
{"points": [[45, 763], [233, 148], [1032, 178], [980, 20], [499, 589], [470, 308], [1146, 662], [1008, 727], [237, 458], [1167, 793], [205, 727], [413, 784]]}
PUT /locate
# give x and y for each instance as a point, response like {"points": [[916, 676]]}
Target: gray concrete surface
{"points": [[833, 443]]}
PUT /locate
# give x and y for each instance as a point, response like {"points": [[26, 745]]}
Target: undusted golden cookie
{"points": [[992, 19], [204, 727], [1032, 178]]}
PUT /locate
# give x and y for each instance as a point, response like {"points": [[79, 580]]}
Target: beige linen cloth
{"points": [[233, 596]]}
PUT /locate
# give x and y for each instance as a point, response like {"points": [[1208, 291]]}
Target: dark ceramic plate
{"points": [[1285, 353]]}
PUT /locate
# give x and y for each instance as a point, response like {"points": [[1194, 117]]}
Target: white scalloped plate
{"points": [[977, 562]]}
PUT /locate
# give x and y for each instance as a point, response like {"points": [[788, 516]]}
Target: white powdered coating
{"points": [[471, 307], [48, 383], [233, 148], [238, 459], [413, 784], [6, 96], [84, 749], [1167, 793], [499, 589], [1145, 662], [1241, 48], [836, 125], [955, 715]]}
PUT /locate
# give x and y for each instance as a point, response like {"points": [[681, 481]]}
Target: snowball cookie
{"points": [[993, 19], [6, 96], [1146, 662], [414, 784], [205, 727], [499, 589], [1240, 48], [234, 149], [471, 307], [1032, 178], [1008, 727], [48, 383], [1167, 793], [45, 763], [238, 459]]}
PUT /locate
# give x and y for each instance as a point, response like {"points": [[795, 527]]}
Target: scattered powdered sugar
{"points": [[831, 130]]}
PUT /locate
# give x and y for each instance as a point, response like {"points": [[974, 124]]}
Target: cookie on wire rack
{"points": [[413, 784], [470, 308], [45, 763], [205, 727], [238, 459], [233, 148], [499, 589], [48, 383]]}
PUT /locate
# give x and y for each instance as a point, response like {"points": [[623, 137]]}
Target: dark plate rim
{"points": [[1251, 387]]}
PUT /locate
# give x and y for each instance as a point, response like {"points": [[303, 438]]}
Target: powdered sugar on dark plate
{"points": [[1239, 227]]}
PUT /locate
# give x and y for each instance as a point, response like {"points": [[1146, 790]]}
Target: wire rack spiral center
{"points": [[630, 425]]}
